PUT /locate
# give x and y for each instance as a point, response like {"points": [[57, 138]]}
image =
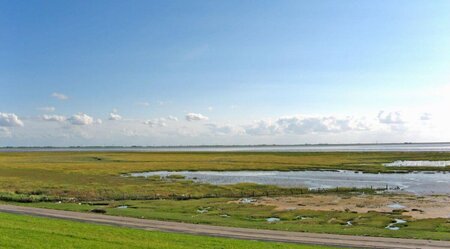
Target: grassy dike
{"points": [[21, 231]]}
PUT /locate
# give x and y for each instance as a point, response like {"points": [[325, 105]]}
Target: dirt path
{"points": [[231, 232]]}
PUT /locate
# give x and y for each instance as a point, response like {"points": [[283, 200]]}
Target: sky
{"points": [[78, 73]]}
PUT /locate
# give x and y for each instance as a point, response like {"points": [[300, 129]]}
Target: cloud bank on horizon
{"points": [[83, 129], [190, 73]]}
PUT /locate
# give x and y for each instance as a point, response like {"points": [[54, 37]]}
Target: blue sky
{"points": [[270, 66]]}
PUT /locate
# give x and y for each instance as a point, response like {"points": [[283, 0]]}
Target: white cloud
{"points": [[47, 109], [425, 116], [300, 125], [303, 125], [172, 118], [60, 96], [56, 118], [157, 122], [390, 117], [10, 120], [160, 122], [114, 116], [79, 129], [222, 130], [195, 117], [261, 127], [83, 119], [5, 132], [129, 132]]}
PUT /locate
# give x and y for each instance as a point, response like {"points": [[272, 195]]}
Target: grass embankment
{"points": [[20, 231], [224, 212], [96, 175]]}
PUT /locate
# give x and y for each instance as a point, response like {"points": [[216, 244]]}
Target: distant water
{"points": [[403, 163], [415, 182], [269, 148]]}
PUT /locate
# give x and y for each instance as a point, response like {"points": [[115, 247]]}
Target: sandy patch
{"points": [[422, 207]]}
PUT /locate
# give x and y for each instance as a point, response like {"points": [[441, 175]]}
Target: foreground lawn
{"points": [[20, 231]]}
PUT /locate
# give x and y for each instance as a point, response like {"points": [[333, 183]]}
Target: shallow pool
{"points": [[415, 182], [418, 164]]}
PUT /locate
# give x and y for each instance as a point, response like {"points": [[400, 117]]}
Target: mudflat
{"points": [[417, 207]]}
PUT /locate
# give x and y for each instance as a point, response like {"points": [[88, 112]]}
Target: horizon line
{"points": [[218, 145]]}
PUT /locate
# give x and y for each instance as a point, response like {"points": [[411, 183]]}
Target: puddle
{"points": [[349, 223], [203, 210], [272, 219], [122, 207], [418, 164], [393, 228], [414, 182], [399, 221], [225, 216], [246, 200], [392, 225], [302, 218]]}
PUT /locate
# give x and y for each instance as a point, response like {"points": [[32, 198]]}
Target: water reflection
{"points": [[415, 182]]}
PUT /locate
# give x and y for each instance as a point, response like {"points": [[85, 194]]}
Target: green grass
{"points": [[96, 175], [251, 216], [20, 231], [43, 178], [113, 163]]}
